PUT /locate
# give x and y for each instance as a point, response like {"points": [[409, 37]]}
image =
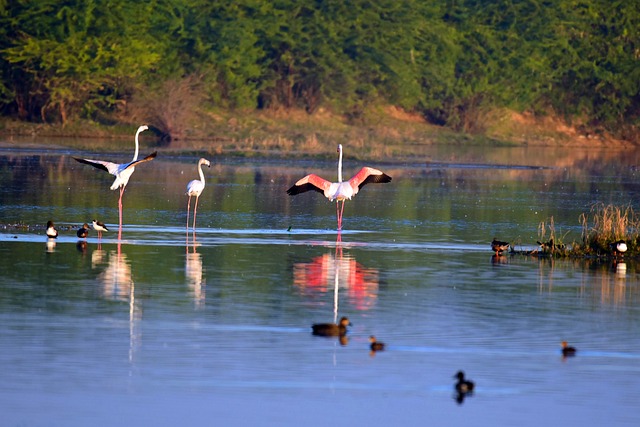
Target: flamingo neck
{"points": [[201, 174], [340, 163], [135, 154]]}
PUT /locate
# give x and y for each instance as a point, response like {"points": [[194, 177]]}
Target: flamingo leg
{"points": [[188, 207], [120, 213], [195, 210], [339, 211]]}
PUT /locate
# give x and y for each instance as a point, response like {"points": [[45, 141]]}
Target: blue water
{"points": [[159, 329]]}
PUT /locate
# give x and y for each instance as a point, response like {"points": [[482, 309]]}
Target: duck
{"points": [[331, 329], [497, 246], [568, 351], [375, 344], [619, 247], [99, 227], [83, 231], [547, 246], [463, 386], [52, 233]]}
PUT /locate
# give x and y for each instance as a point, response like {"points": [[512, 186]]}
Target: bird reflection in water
{"points": [[51, 245], [193, 271], [499, 259], [117, 284], [336, 271], [82, 246]]}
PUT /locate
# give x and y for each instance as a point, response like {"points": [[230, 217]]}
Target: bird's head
{"points": [[204, 161], [339, 150]]}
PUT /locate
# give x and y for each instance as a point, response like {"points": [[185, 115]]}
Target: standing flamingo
{"points": [[339, 191], [122, 172], [194, 188]]}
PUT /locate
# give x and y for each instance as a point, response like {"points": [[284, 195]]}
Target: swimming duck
{"points": [[52, 233], [497, 246], [375, 344], [568, 351], [99, 227], [463, 386], [331, 329], [83, 231]]}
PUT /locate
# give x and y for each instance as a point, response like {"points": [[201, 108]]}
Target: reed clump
{"points": [[606, 224], [550, 244]]}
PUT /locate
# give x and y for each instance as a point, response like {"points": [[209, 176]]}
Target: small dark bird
{"points": [[375, 344], [83, 231], [52, 233], [331, 329], [463, 386], [568, 351], [497, 246], [99, 227], [547, 246]]}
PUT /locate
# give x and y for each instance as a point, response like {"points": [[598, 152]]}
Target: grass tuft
{"points": [[606, 224]]}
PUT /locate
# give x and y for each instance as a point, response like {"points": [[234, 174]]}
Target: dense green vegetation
{"points": [[451, 61]]}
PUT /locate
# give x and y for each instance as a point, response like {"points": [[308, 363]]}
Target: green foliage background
{"points": [[448, 60]]}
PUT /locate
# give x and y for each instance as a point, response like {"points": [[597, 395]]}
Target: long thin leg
{"points": [[120, 213], [188, 207], [338, 215], [195, 211], [341, 211]]}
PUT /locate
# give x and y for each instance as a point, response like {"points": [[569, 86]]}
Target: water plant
{"points": [[606, 224], [551, 245]]}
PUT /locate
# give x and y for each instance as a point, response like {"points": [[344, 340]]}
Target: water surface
{"points": [[165, 327]]}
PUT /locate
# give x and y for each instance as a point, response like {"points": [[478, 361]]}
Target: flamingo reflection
{"points": [[116, 279], [193, 272], [117, 284], [335, 271]]}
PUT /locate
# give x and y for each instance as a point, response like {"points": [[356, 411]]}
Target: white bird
{"points": [[122, 171], [619, 247], [99, 227], [52, 233], [194, 188], [339, 191]]}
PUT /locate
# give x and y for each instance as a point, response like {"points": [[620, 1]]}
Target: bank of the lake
{"points": [[386, 133]]}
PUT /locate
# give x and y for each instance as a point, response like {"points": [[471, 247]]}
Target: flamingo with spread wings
{"points": [[341, 190], [122, 172]]}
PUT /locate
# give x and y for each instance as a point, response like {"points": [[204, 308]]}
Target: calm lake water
{"points": [[164, 328]]}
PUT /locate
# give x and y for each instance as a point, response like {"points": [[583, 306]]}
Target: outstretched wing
{"points": [[368, 175], [309, 182], [136, 162], [112, 168]]}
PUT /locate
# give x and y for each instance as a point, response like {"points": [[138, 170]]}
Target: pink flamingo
{"points": [[122, 172], [339, 191], [194, 188]]}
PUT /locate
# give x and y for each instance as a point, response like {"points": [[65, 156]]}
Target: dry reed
{"points": [[606, 224]]}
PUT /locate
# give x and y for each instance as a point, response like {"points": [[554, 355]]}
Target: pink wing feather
{"points": [[309, 182], [368, 175]]}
